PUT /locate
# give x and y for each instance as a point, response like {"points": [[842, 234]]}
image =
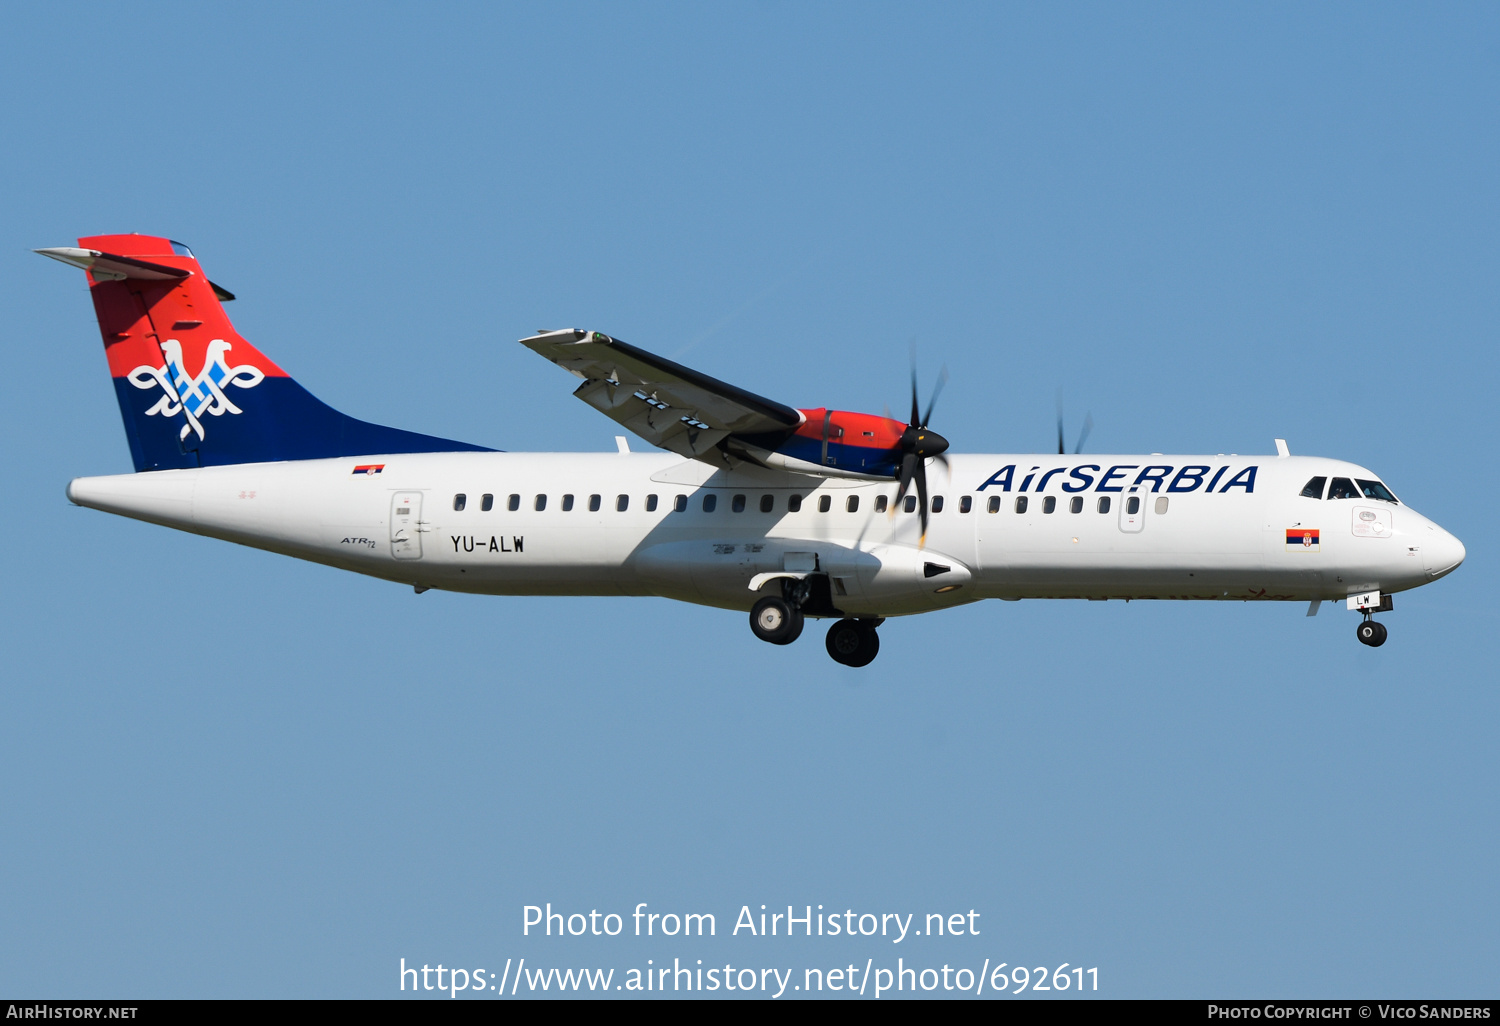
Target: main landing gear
{"points": [[776, 620], [779, 619], [854, 642]]}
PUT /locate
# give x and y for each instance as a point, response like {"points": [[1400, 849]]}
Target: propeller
{"points": [[918, 444], [1088, 425]]}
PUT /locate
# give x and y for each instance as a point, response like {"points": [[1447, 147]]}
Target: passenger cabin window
{"points": [[1342, 488], [1021, 503], [709, 502], [966, 503], [1133, 505], [1049, 504], [567, 503], [1104, 504], [825, 503], [459, 501], [622, 503], [937, 503], [882, 503], [650, 504], [513, 503], [487, 502], [594, 503], [910, 505], [852, 505], [1075, 504], [737, 504], [680, 504], [794, 503], [994, 504], [1161, 504], [541, 503], [1375, 490], [1314, 488], [767, 503]]}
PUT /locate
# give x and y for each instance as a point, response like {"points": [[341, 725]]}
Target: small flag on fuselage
{"points": [[375, 468], [1304, 538]]}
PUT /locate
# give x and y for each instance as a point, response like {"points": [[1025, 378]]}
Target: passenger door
{"points": [[406, 525]]}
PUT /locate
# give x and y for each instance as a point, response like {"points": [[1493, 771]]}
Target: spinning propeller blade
{"points": [[919, 444], [1088, 425]]}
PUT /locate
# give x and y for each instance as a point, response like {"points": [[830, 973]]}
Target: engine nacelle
{"points": [[834, 442]]}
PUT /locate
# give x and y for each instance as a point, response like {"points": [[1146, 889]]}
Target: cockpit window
{"points": [[180, 249], [1342, 488], [1314, 488], [1376, 490]]}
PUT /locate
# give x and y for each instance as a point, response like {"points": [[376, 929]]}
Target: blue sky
{"points": [[227, 773]]}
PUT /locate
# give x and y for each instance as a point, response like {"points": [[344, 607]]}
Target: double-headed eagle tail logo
{"points": [[195, 397]]}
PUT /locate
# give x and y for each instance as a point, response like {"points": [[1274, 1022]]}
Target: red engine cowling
{"points": [[846, 442]]}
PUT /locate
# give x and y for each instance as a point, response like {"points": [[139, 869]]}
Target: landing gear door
{"points": [[1133, 512], [406, 516]]}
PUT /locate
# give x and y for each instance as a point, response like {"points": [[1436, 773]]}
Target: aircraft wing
{"points": [[669, 405]]}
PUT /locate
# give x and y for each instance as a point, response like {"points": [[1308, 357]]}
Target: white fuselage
{"points": [[402, 524]]}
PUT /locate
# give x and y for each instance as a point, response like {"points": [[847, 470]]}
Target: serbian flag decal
{"points": [[375, 468], [1302, 538]]}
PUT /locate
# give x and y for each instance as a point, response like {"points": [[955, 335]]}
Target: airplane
{"points": [[746, 504]]}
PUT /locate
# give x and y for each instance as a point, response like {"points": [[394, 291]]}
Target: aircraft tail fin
{"points": [[192, 391]]}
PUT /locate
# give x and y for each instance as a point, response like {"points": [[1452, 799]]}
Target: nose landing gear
{"points": [[1371, 633]]}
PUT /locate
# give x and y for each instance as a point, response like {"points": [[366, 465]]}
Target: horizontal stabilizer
{"points": [[109, 267]]}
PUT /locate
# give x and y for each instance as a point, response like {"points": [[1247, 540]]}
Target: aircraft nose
{"points": [[1444, 553]]}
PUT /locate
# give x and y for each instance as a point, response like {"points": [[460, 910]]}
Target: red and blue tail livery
{"points": [[192, 391]]}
